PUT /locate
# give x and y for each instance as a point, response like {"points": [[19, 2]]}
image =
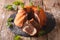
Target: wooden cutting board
{"points": [[50, 6]]}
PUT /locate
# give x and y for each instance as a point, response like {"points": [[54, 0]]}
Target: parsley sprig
{"points": [[17, 37], [10, 19], [14, 5], [31, 4], [38, 7], [9, 7], [41, 33], [9, 22]]}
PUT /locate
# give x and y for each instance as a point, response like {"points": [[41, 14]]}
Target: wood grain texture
{"points": [[51, 6]]}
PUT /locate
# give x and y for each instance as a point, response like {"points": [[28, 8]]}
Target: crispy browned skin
{"points": [[27, 8], [20, 18], [41, 14], [21, 15]]}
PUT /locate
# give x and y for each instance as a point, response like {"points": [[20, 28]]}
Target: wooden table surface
{"points": [[51, 6]]}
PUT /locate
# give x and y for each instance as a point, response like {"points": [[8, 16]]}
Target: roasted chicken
{"points": [[36, 19]]}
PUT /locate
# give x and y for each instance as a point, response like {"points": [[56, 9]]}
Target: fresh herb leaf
{"points": [[19, 3], [22, 4], [42, 32], [17, 37], [9, 24], [15, 7], [10, 19], [31, 4], [38, 7], [16, 3], [9, 7]]}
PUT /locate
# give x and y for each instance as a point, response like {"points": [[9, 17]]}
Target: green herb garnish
{"points": [[9, 24], [16, 3], [15, 7], [9, 7], [10, 19], [38, 7], [41, 33], [22, 4], [19, 3], [31, 4], [17, 37]]}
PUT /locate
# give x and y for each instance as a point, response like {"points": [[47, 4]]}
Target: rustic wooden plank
{"points": [[58, 33], [48, 4], [56, 13], [54, 35], [43, 37], [52, 7], [6, 34], [25, 38], [34, 38], [1, 13]]}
